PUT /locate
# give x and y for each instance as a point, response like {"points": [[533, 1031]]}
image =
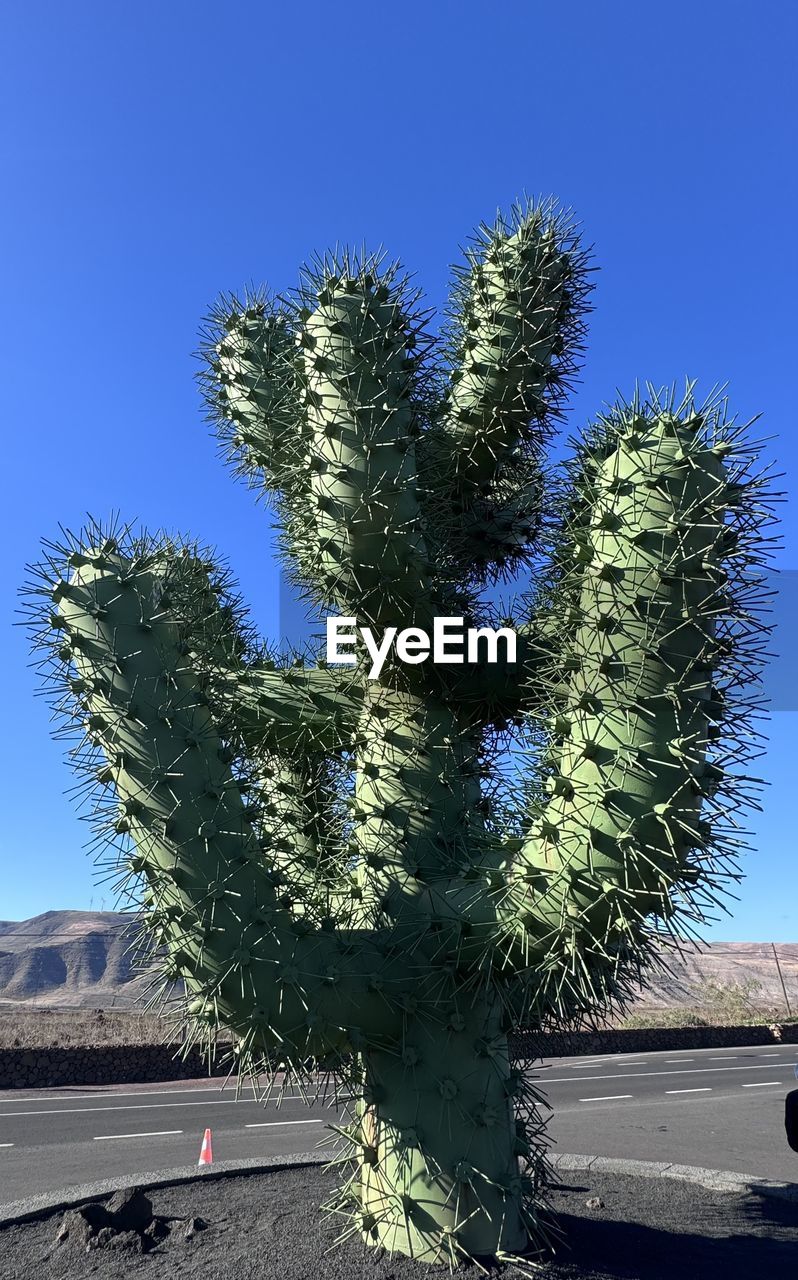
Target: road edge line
{"points": [[712, 1179]]}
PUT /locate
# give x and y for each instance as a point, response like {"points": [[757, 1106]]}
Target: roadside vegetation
{"points": [[716, 1004]]}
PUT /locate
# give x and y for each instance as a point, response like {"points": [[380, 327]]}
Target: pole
{"points": [[781, 979]]}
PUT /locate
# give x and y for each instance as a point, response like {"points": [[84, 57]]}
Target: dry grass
{"points": [[47, 1028], [652, 1019]]}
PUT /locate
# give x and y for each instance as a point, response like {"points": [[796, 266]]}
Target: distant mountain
{"points": [[83, 959], [722, 963], [75, 958]]}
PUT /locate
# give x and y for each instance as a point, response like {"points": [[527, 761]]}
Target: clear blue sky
{"points": [[155, 154]]}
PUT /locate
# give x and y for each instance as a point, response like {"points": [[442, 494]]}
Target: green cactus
{"points": [[331, 864]]}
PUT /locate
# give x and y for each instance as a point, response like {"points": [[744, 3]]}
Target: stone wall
{"points": [[139, 1064], [566, 1044], [101, 1064]]}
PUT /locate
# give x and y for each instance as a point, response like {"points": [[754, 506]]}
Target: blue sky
{"points": [[156, 154]]}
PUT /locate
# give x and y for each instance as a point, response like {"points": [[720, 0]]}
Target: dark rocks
{"points": [[157, 1231], [124, 1241], [80, 1226], [131, 1210], [125, 1223]]}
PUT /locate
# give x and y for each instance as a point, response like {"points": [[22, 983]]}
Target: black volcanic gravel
{"points": [[267, 1226]]}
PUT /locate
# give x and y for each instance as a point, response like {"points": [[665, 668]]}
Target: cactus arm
{"points": [[298, 708], [294, 709], [365, 548], [213, 900], [319, 407], [301, 823], [417, 797], [515, 303], [623, 836], [516, 327], [253, 388]]}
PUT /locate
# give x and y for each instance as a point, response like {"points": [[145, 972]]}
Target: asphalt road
{"points": [[722, 1109]]}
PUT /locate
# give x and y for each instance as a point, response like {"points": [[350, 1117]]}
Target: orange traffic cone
{"points": [[206, 1152]]}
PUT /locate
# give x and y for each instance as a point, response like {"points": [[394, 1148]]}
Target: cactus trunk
{"points": [[439, 1178]]}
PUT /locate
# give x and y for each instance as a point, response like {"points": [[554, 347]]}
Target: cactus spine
{"points": [[320, 857]]}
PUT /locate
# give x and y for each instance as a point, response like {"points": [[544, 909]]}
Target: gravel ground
{"points": [[266, 1226]]}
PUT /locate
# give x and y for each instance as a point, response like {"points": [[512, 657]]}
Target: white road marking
{"points": [[727, 1057], [134, 1106], [6, 1144], [656, 1054], [767, 1055], [762, 1084], [269, 1124], [679, 1060], [111, 1137], [139, 1106], [584, 1058], [125, 1093], [543, 1081], [610, 1097], [704, 1090], [153, 1093]]}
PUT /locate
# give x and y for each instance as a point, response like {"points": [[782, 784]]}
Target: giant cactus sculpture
{"points": [[322, 858]]}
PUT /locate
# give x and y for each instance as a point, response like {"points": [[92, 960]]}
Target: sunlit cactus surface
{"points": [[374, 881]]}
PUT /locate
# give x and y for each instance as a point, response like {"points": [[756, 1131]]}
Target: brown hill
{"points": [[722, 965], [70, 958]]}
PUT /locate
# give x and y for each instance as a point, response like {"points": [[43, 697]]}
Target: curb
{"points": [[19, 1211], [711, 1179], [69, 1197]]}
